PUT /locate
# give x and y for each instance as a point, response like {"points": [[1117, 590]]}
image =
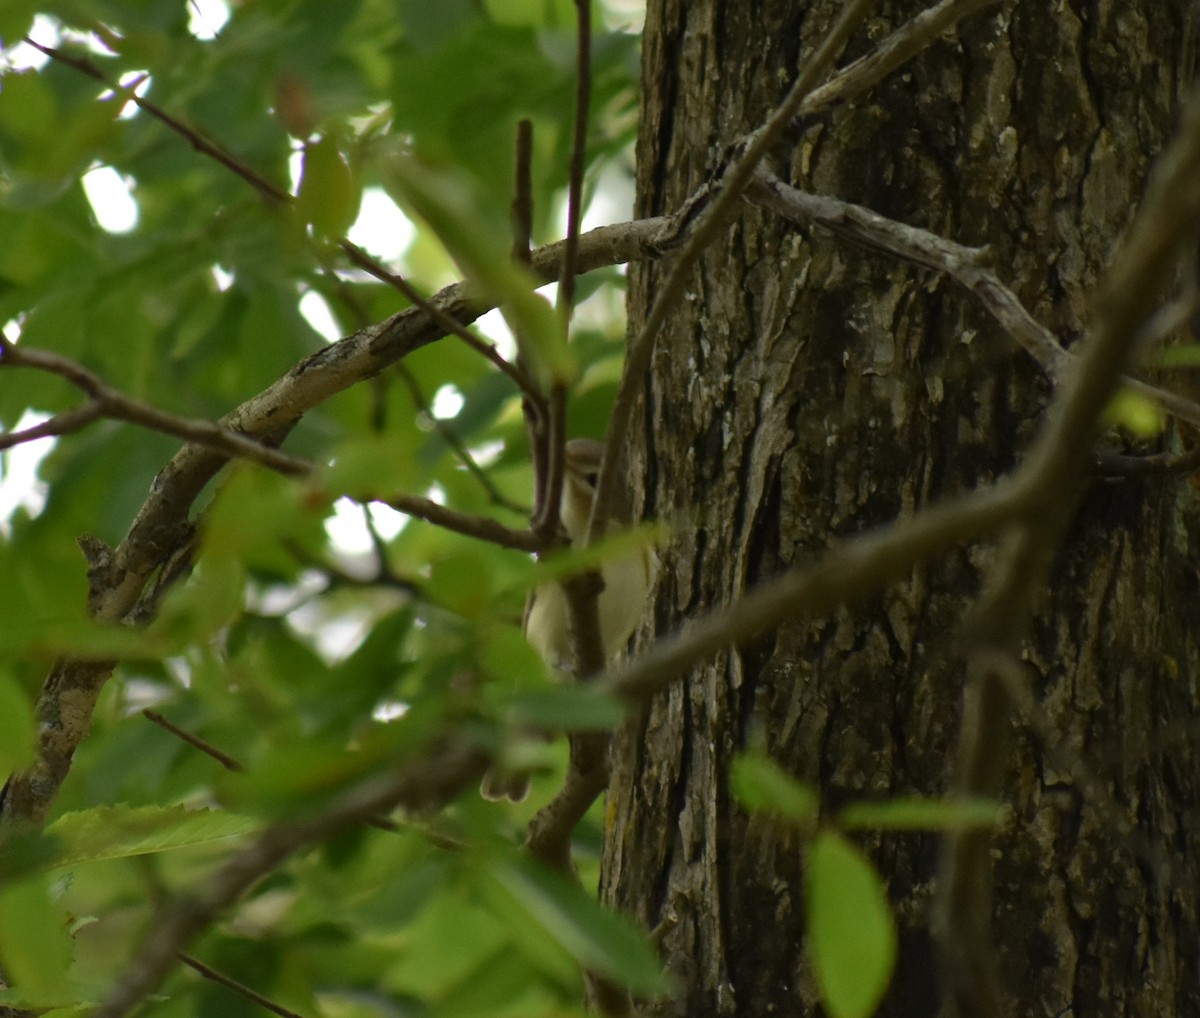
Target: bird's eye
{"points": [[592, 477]]}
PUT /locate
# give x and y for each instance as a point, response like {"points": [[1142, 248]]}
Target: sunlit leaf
{"points": [[34, 942], [762, 786], [16, 726], [917, 814], [851, 935], [449, 208], [117, 832], [329, 196], [1136, 413]]}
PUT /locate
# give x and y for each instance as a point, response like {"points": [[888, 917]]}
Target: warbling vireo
{"points": [[626, 582]]}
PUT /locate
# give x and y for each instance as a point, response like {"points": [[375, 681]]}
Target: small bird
{"points": [[627, 578]]}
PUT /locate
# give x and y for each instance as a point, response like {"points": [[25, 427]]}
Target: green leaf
{"points": [[445, 944], [117, 832], [1136, 413], [259, 518], [16, 19], [16, 726], [851, 933], [1185, 356], [461, 580], [34, 942], [449, 207], [572, 708], [27, 108], [27, 852], [917, 814], [574, 561], [762, 786], [600, 940], [503, 983], [328, 197], [371, 465]]}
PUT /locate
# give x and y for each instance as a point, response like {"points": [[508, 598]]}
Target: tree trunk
{"points": [[806, 390]]}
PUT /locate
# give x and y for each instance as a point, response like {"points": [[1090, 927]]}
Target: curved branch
{"points": [[968, 266], [162, 524], [106, 401]]}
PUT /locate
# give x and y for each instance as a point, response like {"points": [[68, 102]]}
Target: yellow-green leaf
{"points": [[762, 786], [916, 814], [329, 196], [851, 933]]}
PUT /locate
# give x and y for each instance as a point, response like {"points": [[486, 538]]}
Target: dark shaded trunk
{"points": [[807, 390]]}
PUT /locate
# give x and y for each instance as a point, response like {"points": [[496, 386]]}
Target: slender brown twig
{"points": [[450, 437], [583, 91], [522, 202], [468, 524], [211, 974], [105, 401], [193, 740]]}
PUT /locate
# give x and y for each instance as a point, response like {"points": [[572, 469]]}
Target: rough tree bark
{"points": [[806, 390]]}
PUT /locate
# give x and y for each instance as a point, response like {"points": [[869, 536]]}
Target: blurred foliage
{"points": [[309, 651]]}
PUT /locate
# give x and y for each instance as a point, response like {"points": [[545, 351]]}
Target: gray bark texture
{"points": [[805, 391]]}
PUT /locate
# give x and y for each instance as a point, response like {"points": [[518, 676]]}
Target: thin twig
{"points": [[845, 573], [553, 442], [1163, 464], [967, 266], [452, 326], [522, 203], [210, 973], [896, 50], [583, 90], [482, 527], [193, 740], [105, 401], [450, 437]]}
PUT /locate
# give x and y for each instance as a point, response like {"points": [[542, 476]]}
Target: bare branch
{"points": [[210, 973], [193, 740], [105, 401], [968, 266], [895, 51], [583, 91], [847, 572], [482, 527], [66, 423], [1114, 464]]}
